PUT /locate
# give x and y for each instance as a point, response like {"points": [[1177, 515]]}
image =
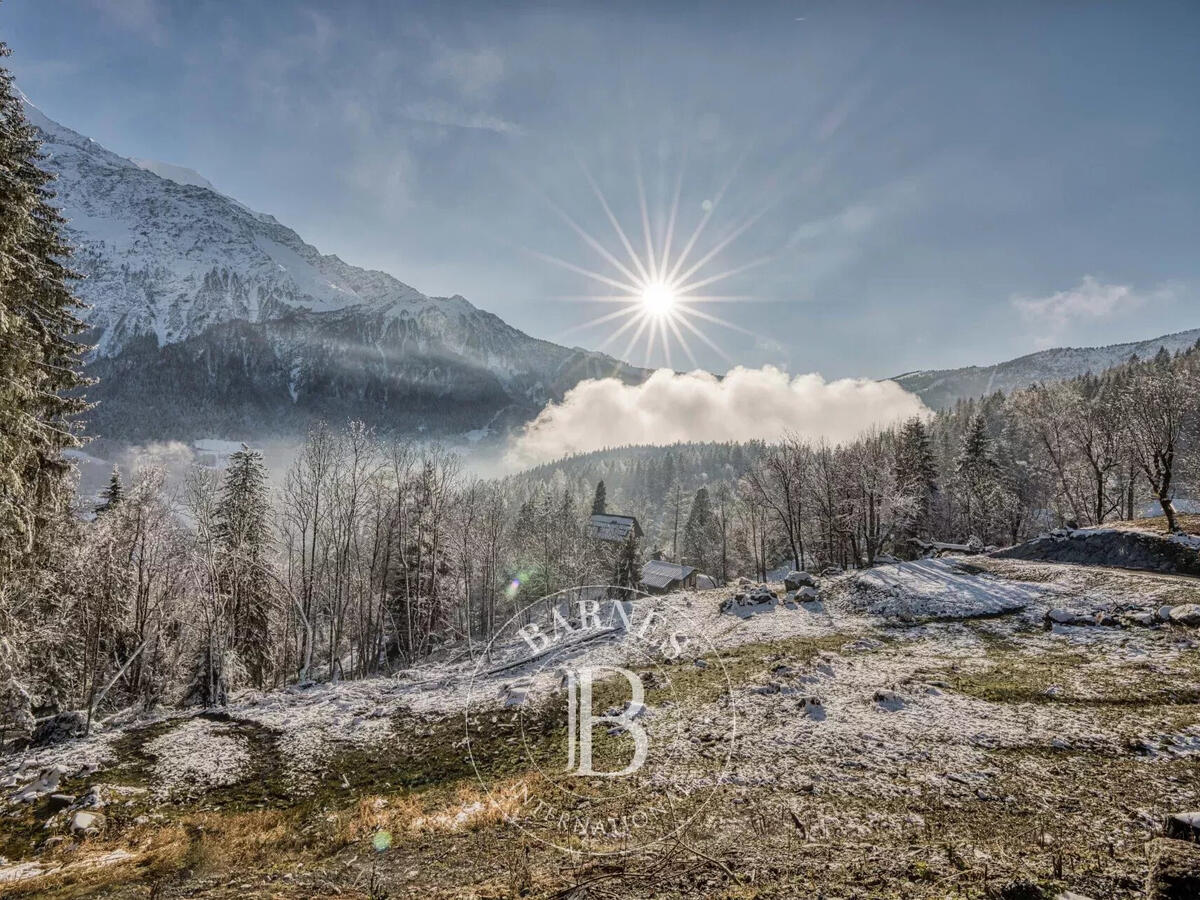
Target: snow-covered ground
{"points": [[877, 614]]}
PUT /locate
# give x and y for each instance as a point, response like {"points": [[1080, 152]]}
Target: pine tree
{"points": [[244, 536], [38, 359], [112, 495], [916, 475], [628, 570], [600, 500], [976, 470], [699, 533]]}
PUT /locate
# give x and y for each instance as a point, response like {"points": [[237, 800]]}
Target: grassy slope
{"points": [[1046, 816]]}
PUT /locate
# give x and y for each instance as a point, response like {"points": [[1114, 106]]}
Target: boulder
{"points": [[1164, 613], [813, 708], [86, 822], [1174, 870], [1066, 617], [1183, 826], [807, 595], [60, 727], [1142, 619], [747, 602], [795, 580], [1186, 614], [46, 783], [513, 693], [889, 701]]}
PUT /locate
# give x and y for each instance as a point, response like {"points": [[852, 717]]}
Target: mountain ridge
{"points": [[942, 388], [178, 275]]}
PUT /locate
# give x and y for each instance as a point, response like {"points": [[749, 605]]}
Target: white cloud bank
{"points": [[746, 404], [1090, 299]]}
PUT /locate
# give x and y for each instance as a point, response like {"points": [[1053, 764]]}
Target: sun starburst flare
{"points": [[658, 289]]}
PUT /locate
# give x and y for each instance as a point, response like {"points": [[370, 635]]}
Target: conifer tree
{"points": [[38, 359], [699, 533], [600, 500], [628, 570], [916, 475], [112, 495], [976, 470], [244, 536]]}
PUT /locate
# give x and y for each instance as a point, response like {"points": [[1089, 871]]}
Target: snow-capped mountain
{"points": [[942, 387], [178, 174], [210, 318]]}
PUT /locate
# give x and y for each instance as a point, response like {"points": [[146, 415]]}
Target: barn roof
{"points": [[610, 527], [658, 573]]}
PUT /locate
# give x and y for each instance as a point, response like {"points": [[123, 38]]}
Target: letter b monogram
{"points": [[581, 720]]}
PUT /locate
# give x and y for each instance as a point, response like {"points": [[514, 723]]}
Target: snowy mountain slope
{"points": [[941, 388], [178, 174], [179, 275]]}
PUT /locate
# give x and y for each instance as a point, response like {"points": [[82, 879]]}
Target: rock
{"points": [[1066, 617], [1174, 871], [86, 822], [60, 801], [60, 727], [1183, 826], [653, 680], [93, 799], [795, 580], [829, 571], [808, 595], [745, 603], [1107, 620], [889, 701], [813, 708], [46, 783], [1186, 614], [513, 693], [1142, 619], [1164, 613]]}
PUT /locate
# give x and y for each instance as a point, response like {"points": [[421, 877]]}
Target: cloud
{"points": [[1091, 299], [746, 404], [437, 112]]}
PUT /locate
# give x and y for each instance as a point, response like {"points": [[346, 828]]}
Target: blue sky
{"points": [[931, 184]]}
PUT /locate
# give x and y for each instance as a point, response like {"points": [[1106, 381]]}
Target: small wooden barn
{"points": [[606, 527], [661, 577]]}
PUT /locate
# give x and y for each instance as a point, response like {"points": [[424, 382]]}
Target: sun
{"points": [[658, 290], [658, 299]]}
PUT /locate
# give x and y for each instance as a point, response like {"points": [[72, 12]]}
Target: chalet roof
{"points": [[658, 573], [611, 527]]}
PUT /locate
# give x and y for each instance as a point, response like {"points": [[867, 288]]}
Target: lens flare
{"points": [[657, 288]]}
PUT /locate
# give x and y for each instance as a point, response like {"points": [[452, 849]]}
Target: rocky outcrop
{"points": [[1110, 547]]}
